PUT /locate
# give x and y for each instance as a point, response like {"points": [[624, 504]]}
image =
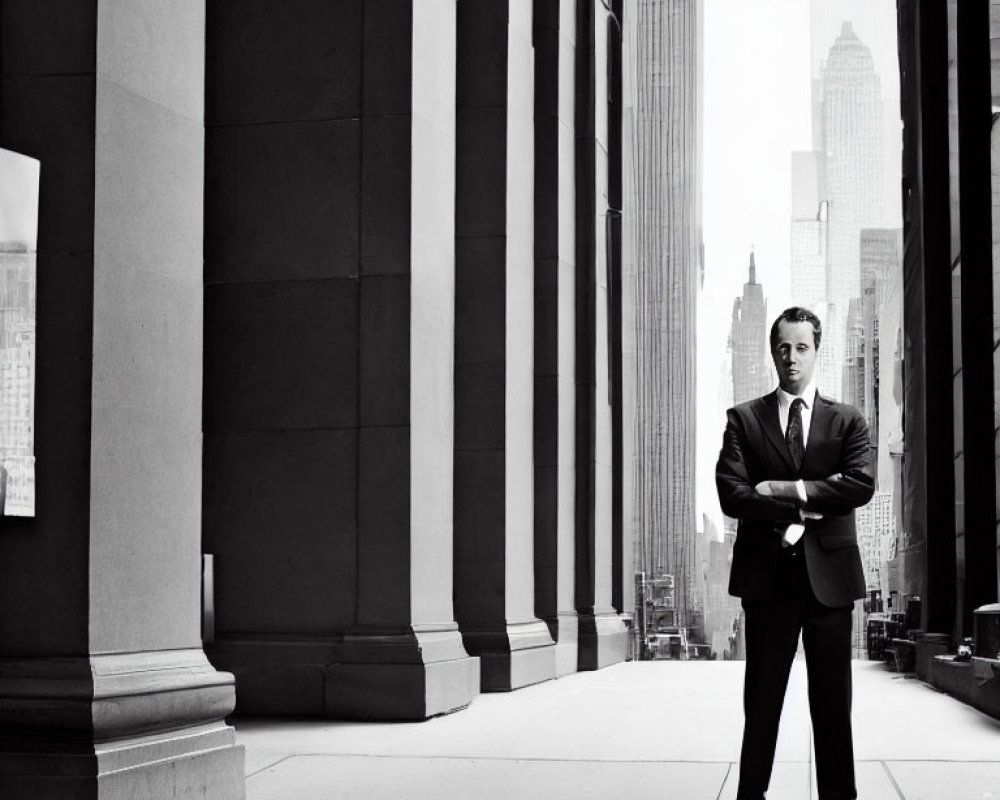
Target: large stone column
{"points": [[330, 332], [603, 638], [927, 557], [104, 689], [978, 320], [615, 304], [554, 406], [494, 351]]}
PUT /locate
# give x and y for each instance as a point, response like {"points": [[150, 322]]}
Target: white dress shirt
{"points": [[795, 530], [808, 398]]}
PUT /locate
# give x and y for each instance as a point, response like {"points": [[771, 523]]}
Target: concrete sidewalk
{"points": [[662, 729]]}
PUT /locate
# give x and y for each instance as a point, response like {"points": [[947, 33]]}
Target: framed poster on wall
{"points": [[19, 182]]}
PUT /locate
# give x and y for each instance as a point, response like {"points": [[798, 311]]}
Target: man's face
{"points": [[794, 355]]}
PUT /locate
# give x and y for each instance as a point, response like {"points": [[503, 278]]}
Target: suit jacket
{"points": [[838, 476]]}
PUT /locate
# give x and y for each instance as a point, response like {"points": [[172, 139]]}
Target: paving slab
{"points": [[946, 780], [899, 717], [675, 711], [394, 778], [632, 726], [873, 781], [789, 781], [797, 781]]}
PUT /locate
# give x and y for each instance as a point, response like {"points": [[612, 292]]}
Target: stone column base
{"points": [[975, 682], [118, 726], [567, 645], [406, 676], [372, 683], [187, 765], [927, 646], [520, 654], [603, 640]]}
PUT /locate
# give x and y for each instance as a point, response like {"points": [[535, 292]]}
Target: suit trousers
{"points": [[771, 630]]}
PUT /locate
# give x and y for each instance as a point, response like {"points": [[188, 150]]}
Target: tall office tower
{"points": [[881, 255], [852, 138], [721, 609], [752, 373], [855, 352], [810, 230], [809, 254], [667, 231], [697, 586], [876, 528]]}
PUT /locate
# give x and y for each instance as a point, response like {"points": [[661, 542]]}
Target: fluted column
{"points": [[927, 558], [555, 406], [104, 689], [330, 316], [602, 633], [494, 349], [978, 313]]}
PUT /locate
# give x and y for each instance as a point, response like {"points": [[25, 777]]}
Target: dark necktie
{"points": [[793, 433]]}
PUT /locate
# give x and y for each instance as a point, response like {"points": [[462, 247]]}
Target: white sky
{"points": [[758, 62]]}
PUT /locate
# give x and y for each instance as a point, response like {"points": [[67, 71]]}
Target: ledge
{"points": [[402, 675], [603, 640], [969, 681], [567, 645], [67, 704], [513, 655], [928, 647], [901, 655], [117, 726]]}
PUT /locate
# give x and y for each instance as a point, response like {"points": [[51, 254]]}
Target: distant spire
{"points": [[753, 267]]}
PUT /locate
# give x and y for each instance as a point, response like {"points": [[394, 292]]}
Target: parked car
{"points": [[669, 642]]}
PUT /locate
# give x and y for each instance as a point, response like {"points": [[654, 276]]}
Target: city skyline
{"points": [[850, 118], [759, 118]]}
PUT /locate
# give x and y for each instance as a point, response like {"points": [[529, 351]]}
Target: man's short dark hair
{"points": [[797, 314]]}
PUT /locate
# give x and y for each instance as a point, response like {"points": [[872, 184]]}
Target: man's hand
{"points": [[785, 489], [813, 514]]}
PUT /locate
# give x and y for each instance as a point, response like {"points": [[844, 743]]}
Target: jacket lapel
{"points": [[767, 414], [819, 426]]}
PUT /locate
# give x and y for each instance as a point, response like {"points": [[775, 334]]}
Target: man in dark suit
{"points": [[794, 465]]}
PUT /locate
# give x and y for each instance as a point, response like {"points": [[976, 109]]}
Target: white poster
{"points": [[19, 176]]}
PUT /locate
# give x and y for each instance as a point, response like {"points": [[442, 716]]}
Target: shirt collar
{"points": [[808, 397]]}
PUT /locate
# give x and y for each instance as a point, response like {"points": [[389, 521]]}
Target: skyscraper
{"points": [[666, 159], [810, 232], [837, 189], [852, 161], [881, 255], [752, 375], [855, 357], [876, 528]]}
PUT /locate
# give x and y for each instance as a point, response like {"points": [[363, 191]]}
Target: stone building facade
{"points": [[947, 547], [329, 291]]}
